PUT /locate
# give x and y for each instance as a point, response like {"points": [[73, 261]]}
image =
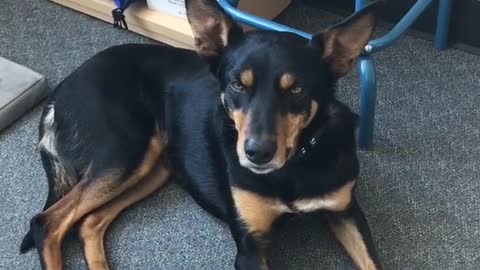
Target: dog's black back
{"points": [[91, 117]]}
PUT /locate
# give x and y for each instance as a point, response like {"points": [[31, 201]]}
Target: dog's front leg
{"points": [[250, 226], [352, 231], [250, 248]]}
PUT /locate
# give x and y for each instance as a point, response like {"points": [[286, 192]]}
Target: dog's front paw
{"points": [[250, 262]]}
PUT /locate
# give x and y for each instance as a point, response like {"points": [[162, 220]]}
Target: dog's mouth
{"points": [[260, 169]]}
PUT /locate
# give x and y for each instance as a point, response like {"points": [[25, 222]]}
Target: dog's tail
{"points": [[27, 242], [57, 188], [60, 174]]}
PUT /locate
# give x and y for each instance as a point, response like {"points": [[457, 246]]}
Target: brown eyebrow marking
{"points": [[246, 77], [286, 81]]}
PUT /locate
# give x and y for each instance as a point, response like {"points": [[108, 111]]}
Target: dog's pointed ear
{"points": [[344, 42], [212, 28]]}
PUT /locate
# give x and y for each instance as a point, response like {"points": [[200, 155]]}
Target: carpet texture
{"points": [[419, 188]]}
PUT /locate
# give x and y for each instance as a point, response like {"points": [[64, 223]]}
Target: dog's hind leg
{"points": [[61, 176], [352, 231], [93, 227], [95, 189], [51, 165]]}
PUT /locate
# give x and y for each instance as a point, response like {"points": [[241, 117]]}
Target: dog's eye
{"points": [[296, 90], [237, 86]]}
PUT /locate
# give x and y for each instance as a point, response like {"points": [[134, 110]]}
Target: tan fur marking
{"points": [[286, 81], [313, 112], [94, 225], [289, 128], [52, 259], [151, 156], [350, 238], [222, 99], [338, 200], [247, 78], [240, 119], [257, 212], [86, 196]]}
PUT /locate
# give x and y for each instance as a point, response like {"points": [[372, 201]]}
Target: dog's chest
{"points": [[306, 205], [337, 200], [251, 205]]}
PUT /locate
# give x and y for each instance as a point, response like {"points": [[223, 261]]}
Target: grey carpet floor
{"points": [[420, 187]]}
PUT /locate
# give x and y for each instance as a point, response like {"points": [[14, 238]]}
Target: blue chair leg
{"points": [[443, 23], [368, 96], [368, 88]]}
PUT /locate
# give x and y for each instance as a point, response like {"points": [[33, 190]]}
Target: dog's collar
{"points": [[305, 149]]}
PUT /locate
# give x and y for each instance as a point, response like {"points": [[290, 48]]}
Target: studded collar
{"points": [[310, 144]]}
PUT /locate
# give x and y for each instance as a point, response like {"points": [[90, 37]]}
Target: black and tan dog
{"points": [[261, 137]]}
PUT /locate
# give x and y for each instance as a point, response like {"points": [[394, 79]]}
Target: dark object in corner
{"points": [[117, 14]]}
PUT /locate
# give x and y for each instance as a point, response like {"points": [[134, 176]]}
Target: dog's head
{"points": [[274, 83]]}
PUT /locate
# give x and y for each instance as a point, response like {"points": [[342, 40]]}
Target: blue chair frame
{"points": [[365, 65]]}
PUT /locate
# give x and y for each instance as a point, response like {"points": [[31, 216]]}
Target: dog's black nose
{"points": [[260, 151]]}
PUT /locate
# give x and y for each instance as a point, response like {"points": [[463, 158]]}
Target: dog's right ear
{"points": [[212, 28], [343, 43]]}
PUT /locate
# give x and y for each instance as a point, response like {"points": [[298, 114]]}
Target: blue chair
{"points": [[365, 65]]}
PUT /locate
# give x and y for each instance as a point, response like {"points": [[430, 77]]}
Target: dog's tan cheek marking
{"points": [[289, 128], [257, 212], [313, 112], [350, 238], [286, 81], [338, 200], [247, 78], [240, 120], [222, 99]]}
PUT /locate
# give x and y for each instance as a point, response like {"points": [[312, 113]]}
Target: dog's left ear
{"points": [[344, 42], [212, 28]]}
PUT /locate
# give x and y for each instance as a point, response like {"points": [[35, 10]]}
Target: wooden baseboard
{"points": [[165, 28]]}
